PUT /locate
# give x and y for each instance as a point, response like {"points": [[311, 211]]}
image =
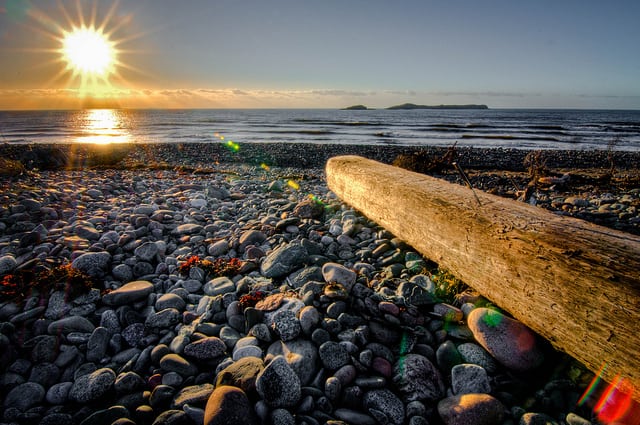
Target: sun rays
{"points": [[87, 47]]}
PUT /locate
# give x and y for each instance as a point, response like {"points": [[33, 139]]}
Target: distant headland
{"points": [[414, 106], [356, 108]]}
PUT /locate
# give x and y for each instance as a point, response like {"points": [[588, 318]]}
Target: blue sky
{"points": [[300, 53]]}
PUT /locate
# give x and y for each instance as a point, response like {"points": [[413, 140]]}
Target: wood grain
{"points": [[574, 283]]}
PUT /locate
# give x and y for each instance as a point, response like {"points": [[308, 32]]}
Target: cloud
{"points": [[341, 93], [402, 92], [484, 93]]}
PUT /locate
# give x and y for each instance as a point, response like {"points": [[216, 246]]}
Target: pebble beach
{"points": [[230, 286]]}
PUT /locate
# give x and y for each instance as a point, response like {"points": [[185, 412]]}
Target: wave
{"points": [[305, 132], [510, 137]]}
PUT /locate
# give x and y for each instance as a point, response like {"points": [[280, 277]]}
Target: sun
{"points": [[89, 52]]}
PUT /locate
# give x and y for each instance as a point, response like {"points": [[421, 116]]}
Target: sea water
{"points": [[508, 128]]}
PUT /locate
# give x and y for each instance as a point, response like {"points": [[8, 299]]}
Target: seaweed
{"points": [[217, 268], [17, 286]]}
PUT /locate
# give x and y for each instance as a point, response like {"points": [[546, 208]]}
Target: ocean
{"points": [[507, 128]]}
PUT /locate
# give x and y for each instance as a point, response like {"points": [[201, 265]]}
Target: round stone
{"points": [[228, 405], [24, 396], [128, 293], [477, 409], [278, 384], [333, 355], [509, 341], [386, 403], [92, 386], [286, 325]]}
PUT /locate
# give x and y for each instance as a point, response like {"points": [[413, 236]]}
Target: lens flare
{"points": [[614, 401], [292, 184]]}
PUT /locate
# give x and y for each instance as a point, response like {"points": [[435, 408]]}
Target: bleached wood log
{"points": [[573, 282]]}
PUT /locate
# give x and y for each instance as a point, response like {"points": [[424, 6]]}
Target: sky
{"points": [[326, 54]]}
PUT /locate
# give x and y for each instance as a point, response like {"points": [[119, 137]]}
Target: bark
{"points": [[574, 283]]}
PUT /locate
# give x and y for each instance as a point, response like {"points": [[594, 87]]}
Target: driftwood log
{"points": [[574, 283]]}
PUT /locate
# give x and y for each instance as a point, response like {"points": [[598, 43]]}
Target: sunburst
{"points": [[89, 52], [88, 47]]}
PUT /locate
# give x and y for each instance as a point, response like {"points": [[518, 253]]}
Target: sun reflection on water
{"points": [[103, 126]]}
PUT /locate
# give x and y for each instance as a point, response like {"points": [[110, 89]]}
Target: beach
{"points": [[227, 278]]}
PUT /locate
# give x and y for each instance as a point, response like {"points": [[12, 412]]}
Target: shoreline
{"points": [[158, 347], [308, 155]]}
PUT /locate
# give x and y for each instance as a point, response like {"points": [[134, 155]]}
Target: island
{"points": [[356, 108], [414, 106]]}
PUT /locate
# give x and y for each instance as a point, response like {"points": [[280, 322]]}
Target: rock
{"points": [[59, 393], [573, 419], [192, 395], [309, 318], [218, 286], [228, 406], [95, 264], [353, 417], [471, 409], [134, 334], [70, 324], [170, 301], [447, 356], [469, 379], [417, 378], [278, 384], [282, 417], [475, 354], [172, 417], [45, 374], [87, 232], [163, 319], [298, 278], [284, 260], [198, 203], [195, 413], [447, 312], [531, 418], [98, 344], [176, 363], [58, 305], [242, 374], [92, 386], [333, 355], [128, 382], [45, 349], [300, 354], [332, 388], [334, 272], [286, 325], [247, 351], [384, 334], [187, 229], [251, 237], [419, 290], [128, 293], [218, 248], [385, 402], [7, 264], [206, 348], [309, 208], [106, 416], [146, 252], [57, 419], [24, 396], [286, 304], [507, 340]]}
